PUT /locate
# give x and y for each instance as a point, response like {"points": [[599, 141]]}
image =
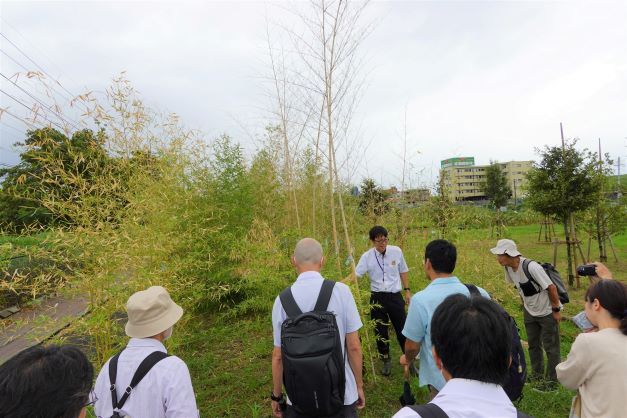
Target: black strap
{"points": [[322, 303], [429, 410], [473, 290], [143, 369], [525, 267], [289, 304], [324, 297]]}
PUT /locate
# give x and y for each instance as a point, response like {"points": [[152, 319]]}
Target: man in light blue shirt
{"points": [[440, 259]]}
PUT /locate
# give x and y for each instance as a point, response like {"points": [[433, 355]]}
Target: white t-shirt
{"points": [[538, 304], [465, 398], [383, 269], [305, 291]]}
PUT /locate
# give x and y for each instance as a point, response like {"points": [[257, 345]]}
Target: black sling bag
{"points": [[144, 367]]}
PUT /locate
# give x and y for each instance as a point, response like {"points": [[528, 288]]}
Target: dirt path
{"points": [[37, 323]]}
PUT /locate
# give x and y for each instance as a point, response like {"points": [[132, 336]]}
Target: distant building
{"points": [[464, 180], [407, 198]]}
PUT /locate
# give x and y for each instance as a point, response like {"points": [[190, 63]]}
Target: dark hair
{"points": [[612, 295], [377, 231], [45, 382], [442, 254], [472, 338]]}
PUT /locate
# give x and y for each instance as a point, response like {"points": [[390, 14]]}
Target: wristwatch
{"points": [[406, 288], [557, 309], [276, 398]]}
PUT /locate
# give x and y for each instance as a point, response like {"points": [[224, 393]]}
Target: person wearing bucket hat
{"points": [[157, 384], [541, 309]]}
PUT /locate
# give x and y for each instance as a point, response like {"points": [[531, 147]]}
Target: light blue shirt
{"points": [[418, 323]]}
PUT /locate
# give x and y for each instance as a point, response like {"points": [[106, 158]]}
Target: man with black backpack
{"points": [[317, 353], [143, 381], [541, 308]]}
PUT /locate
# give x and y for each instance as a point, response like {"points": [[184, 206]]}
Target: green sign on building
{"points": [[457, 162]]}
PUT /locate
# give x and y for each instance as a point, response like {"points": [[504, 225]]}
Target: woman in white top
{"points": [[597, 362]]}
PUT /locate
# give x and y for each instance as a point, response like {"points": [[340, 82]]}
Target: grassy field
{"points": [[230, 362]]}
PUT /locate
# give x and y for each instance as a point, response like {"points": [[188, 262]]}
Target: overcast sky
{"points": [[489, 79]]}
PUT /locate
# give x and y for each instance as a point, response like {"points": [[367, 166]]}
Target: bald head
{"points": [[308, 252]]}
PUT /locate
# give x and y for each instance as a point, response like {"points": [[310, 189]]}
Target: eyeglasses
{"points": [[92, 398], [381, 240]]}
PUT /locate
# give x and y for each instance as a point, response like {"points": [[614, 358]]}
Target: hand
{"points": [[403, 360], [407, 297], [361, 398], [276, 409], [602, 272], [557, 316]]}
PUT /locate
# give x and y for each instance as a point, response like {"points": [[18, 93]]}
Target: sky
{"points": [[487, 79]]}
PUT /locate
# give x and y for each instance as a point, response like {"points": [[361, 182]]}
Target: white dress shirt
{"points": [[305, 291], [165, 392], [383, 269], [464, 398]]}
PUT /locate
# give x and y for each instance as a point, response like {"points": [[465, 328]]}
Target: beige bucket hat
{"points": [[505, 246], [151, 312]]}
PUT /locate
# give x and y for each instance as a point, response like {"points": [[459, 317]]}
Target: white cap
{"points": [[505, 246]]}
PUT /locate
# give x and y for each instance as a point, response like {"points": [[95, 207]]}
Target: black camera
{"points": [[587, 270]]}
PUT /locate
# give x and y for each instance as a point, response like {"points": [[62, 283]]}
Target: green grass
{"points": [[230, 361]]}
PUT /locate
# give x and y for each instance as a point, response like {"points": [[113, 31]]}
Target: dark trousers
{"points": [[349, 411], [543, 332], [391, 309]]}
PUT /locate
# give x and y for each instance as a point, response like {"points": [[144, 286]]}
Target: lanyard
{"points": [[382, 267]]}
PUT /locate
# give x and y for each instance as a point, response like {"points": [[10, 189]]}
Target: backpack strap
{"points": [[525, 267], [289, 304], [473, 290], [429, 410], [324, 296], [143, 369], [113, 373], [522, 415]]}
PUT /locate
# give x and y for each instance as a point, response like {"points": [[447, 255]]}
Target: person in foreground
{"points": [[165, 391], [471, 346], [308, 261], [46, 382], [597, 362], [440, 259]]}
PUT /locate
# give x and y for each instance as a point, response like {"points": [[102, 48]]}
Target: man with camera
{"points": [[541, 307]]}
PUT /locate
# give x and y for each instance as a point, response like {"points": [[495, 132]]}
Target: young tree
{"points": [[498, 191], [372, 200], [564, 182]]}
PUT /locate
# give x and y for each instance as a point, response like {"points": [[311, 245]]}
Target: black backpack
{"points": [[553, 274], [313, 364], [518, 368], [144, 367]]}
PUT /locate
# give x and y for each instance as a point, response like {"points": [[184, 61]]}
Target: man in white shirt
{"points": [[166, 390], [388, 273], [541, 311], [471, 346], [308, 261]]}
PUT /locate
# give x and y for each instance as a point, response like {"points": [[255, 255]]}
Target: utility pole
{"points": [[567, 221], [600, 235]]}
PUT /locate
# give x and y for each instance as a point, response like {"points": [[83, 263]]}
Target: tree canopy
{"points": [[496, 187]]}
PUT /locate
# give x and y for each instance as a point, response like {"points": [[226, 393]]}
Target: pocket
{"points": [[528, 288]]}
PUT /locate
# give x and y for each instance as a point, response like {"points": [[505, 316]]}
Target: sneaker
{"points": [[387, 367], [544, 386]]}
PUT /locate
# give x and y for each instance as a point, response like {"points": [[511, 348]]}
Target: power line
{"points": [[30, 109], [6, 125], [32, 124], [42, 103]]}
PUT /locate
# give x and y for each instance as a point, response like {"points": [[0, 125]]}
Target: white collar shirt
{"points": [[305, 291], [384, 270], [165, 392], [465, 398]]}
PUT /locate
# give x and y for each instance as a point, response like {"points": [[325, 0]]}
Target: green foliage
{"points": [[563, 182], [372, 200], [496, 188]]}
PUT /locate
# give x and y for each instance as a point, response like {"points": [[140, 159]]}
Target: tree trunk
{"points": [[571, 277]]}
